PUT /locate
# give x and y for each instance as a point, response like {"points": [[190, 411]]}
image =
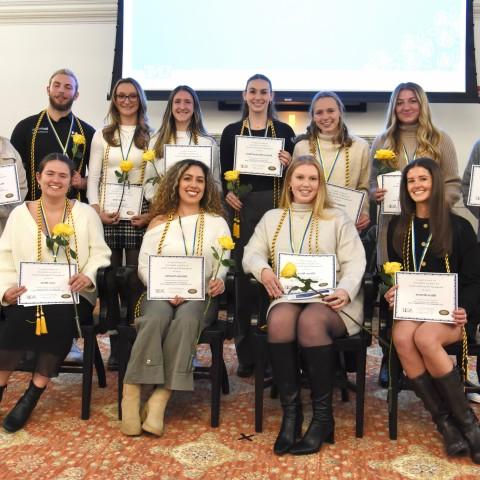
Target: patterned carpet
{"points": [[56, 444]]}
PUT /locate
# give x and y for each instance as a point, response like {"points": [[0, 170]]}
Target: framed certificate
{"points": [[258, 155], [474, 189], [131, 202], [425, 297], [347, 199], [319, 268], [9, 187], [171, 276], [46, 283], [175, 153], [391, 202]]}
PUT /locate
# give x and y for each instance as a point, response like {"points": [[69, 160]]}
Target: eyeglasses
{"points": [[121, 97]]}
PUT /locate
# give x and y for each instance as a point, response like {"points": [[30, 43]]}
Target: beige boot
{"points": [[156, 411], [131, 424]]}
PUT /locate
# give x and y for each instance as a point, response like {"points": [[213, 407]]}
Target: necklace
{"points": [[407, 158], [60, 143], [316, 151], [183, 235], [292, 242], [124, 158]]}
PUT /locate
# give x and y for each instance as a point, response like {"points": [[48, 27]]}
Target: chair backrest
{"points": [[107, 294], [130, 289]]}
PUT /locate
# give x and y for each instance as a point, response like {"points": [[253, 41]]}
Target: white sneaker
{"points": [[474, 397], [75, 355]]}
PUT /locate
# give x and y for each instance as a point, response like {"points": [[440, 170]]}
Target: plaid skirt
{"points": [[124, 234]]}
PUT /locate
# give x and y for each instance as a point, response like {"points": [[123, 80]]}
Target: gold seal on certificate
{"points": [[9, 187], [391, 202], [346, 199], [474, 189], [175, 153], [172, 276], [131, 203], [425, 297], [319, 268], [46, 283], [258, 155]]}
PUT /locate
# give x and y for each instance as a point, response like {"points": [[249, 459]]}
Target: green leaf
{"points": [[73, 254], [226, 262], [118, 174], [215, 254], [293, 289]]}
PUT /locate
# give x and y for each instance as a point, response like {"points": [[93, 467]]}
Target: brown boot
{"points": [[131, 424], [156, 411]]}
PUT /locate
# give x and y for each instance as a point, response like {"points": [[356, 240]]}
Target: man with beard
{"points": [[52, 130]]}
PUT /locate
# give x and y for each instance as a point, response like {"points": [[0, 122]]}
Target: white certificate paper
{"points": [[425, 297], [347, 199], [46, 283], [131, 202], [175, 153], [258, 155], [171, 276], [474, 189], [320, 268], [391, 202], [9, 187]]}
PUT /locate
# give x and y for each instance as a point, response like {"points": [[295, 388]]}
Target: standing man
{"points": [[55, 129]]}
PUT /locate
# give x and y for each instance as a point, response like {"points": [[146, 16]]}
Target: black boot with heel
{"points": [[320, 366], [286, 375]]}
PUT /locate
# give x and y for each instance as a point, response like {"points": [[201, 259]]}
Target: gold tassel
{"points": [[43, 323], [40, 324], [236, 226], [38, 329]]}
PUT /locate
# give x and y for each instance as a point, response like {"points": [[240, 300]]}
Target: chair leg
{"points": [[225, 382], [99, 366], [343, 390], [393, 395], [361, 361], [260, 356], [216, 347], [88, 354]]}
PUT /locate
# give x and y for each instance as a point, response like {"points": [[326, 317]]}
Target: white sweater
{"points": [[19, 244], [337, 235]]}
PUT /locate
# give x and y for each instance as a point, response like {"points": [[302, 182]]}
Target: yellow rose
{"points": [[78, 139], [390, 268], [62, 230], [226, 243], [289, 270], [126, 166], [231, 175], [384, 154], [148, 156]]}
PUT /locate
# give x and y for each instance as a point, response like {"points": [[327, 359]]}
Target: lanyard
{"points": [[424, 252], [183, 236], [292, 246], [406, 154], [62, 146], [327, 176], [44, 218], [250, 132], [121, 148]]}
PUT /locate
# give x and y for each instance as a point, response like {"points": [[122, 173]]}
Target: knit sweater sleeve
{"points": [[473, 160], [95, 167], [449, 167]]}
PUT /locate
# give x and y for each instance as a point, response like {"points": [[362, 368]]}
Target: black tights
{"points": [[131, 257], [311, 324]]}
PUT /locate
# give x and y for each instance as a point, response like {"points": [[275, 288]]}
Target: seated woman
{"points": [[25, 240], [428, 237], [305, 223], [187, 220]]}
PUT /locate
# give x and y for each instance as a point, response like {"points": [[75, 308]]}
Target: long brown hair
{"points": [[321, 200], [428, 136], [439, 210], [166, 200], [141, 137], [168, 130]]}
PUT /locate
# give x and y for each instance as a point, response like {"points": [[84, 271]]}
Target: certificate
{"points": [[9, 187], [46, 283], [175, 153], [391, 202], [169, 276], [425, 297], [347, 199], [474, 189], [258, 155], [319, 268], [131, 202]]}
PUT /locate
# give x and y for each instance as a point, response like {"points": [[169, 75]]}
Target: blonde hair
{"points": [[321, 200], [428, 137]]}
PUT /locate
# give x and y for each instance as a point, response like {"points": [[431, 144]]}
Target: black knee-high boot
{"points": [[450, 387], [284, 359], [426, 390], [21, 412], [2, 389], [319, 364]]}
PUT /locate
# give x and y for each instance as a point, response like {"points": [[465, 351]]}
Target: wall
{"points": [[38, 37]]}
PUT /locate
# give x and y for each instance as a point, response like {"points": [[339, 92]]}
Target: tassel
{"points": [[38, 329], [236, 227], [43, 324]]}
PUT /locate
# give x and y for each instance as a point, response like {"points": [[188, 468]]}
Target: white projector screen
{"points": [[302, 45]]}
